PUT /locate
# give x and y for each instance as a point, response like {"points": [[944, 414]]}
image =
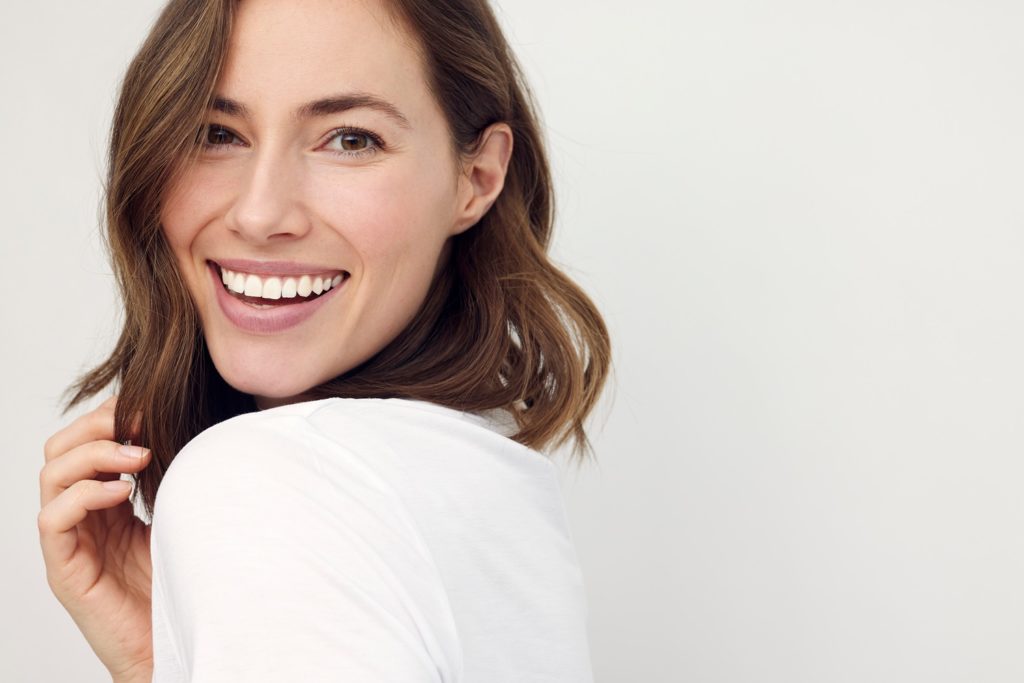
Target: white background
{"points": [[803, 222]]}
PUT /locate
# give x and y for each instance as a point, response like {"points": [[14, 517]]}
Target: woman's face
{"points": [[326, 156]]}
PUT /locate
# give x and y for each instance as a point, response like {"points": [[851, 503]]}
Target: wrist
{"points": [[140, 673]]}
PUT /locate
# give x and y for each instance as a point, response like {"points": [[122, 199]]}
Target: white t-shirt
{"points": [[367, 541]]}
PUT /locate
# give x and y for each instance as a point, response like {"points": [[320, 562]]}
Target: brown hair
{"points": [[502, 327]]}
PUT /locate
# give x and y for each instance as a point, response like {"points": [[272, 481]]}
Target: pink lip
{"points": [[267, 320], [274, 267]]}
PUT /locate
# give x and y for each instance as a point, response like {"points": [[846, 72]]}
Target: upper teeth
{"points": [[275, 287]]}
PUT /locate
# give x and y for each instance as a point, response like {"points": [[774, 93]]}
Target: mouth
{"points": [[271, 291]]}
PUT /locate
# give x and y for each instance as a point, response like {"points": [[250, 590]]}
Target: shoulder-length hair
{"points": [[501, 328]]}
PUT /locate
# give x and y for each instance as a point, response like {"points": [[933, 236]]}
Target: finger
{"points": [[93, 460], [57, 522], [94, 425]]}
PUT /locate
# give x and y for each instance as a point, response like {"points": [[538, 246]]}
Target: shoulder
{"points": [[265, 507], [301, 420], [300, 436], [297, 471], [370, 458], [319, 453], [270, 458]]}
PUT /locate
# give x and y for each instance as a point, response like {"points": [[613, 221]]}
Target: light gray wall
{"points": [[804, 224]]}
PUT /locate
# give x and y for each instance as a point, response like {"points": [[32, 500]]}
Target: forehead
{"points": [[290, 51]]}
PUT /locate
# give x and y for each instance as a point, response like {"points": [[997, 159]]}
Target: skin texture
{"points": [[95, 549], [273, 189]]}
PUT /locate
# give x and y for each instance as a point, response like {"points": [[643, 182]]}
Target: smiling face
{"points": [[326, 155]]}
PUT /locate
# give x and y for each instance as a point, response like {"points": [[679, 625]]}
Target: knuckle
{"points": [[101, 422], [99, 418], [48, 447], [43, 520], [80, 489]]}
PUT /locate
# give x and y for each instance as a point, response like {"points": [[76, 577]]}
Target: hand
{"points": [[98, 564]]}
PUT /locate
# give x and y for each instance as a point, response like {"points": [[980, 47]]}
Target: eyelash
{"points": [[378, 144]]}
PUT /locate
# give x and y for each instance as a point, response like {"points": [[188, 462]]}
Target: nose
{"points": [[268, 205]]}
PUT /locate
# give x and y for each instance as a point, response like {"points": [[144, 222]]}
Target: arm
{"points": [[273, 570], [142, 673]]}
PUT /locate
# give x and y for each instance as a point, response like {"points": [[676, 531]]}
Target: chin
{"points": [[266, 390], [269, 380]]}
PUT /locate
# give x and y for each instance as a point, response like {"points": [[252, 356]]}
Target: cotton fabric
{"points": [[365, 540]]}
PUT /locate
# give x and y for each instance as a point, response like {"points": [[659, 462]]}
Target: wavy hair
{"points": [[501, 328]]}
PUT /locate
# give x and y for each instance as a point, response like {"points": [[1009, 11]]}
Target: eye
{"points": [[344, 142], [354, 142], [214, 136]]}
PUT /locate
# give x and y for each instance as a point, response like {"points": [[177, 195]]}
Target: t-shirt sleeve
{"points": [[280, 555]]}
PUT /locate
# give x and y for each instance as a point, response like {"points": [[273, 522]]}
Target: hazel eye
{"points": [[354, 142]]}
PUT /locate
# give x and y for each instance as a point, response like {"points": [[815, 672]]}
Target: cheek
{"points": [[192, 202], [400, 213]]}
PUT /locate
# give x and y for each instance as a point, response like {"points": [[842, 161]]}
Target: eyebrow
{"points": [[335, 104]]}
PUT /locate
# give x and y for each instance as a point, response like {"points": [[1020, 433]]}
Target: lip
{"points": [[265, 321], [274, 267]]}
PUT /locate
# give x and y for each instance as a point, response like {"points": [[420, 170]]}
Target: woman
{"points": [[328, 220]]}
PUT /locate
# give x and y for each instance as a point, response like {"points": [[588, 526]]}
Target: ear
{"points": [[483, 177]]}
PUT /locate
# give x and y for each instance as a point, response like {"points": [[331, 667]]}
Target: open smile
{"points": [[269, 304]]}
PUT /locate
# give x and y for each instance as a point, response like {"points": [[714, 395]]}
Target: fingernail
{"points": [[117, 485], [132, 451]]}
